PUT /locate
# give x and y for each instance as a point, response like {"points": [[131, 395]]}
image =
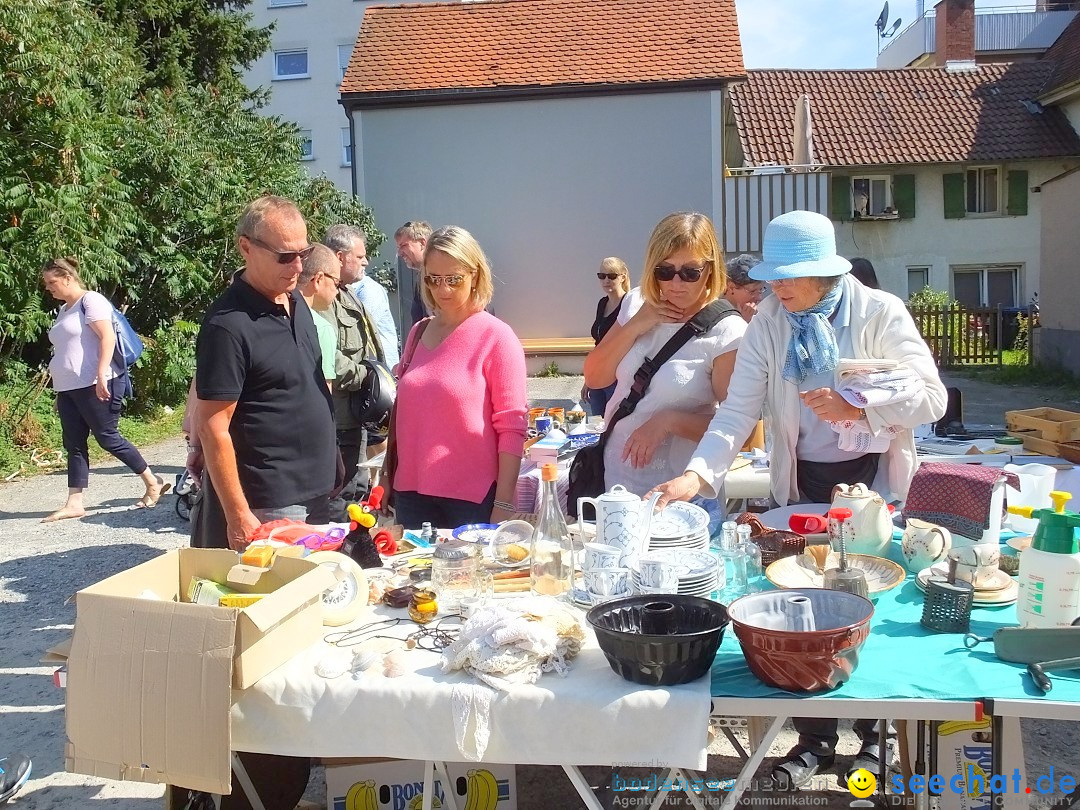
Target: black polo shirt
{"points": [[250, 351]]}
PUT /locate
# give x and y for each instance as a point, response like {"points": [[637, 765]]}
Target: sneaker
{"points": [[14, 771]]}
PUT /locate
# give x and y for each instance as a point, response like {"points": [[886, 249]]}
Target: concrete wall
{"points": [[930, 240], [1059, 338], [548, 187], [1072, 112]]}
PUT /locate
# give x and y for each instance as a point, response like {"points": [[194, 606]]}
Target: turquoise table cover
{"points": [[901, 659]]}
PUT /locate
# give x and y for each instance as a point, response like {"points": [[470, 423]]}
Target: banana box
{"points": [[399, 785], [964, 755]]}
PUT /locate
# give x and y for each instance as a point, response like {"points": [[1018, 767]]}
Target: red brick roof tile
{"points": [[507, 45], [1065, 54], [905, 116]]}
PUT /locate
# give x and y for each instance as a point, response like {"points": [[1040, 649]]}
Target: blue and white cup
{"points": [[607, 581], [599, 555], [660, 574], [544, 424]]}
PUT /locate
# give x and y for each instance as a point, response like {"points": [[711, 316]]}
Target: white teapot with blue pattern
{"points": [[622, 520]]}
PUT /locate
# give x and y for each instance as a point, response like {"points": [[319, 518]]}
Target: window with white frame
{"points": [[918, 278], [279, 3], [292, 64], [983, 189], [871, 196], [346, 147], [307, 145], [343, 54], [986, 286]]}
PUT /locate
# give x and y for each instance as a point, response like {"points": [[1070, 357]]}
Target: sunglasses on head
{"points": [[665, 272], [452, 282], [283, 256], [608, 276]]}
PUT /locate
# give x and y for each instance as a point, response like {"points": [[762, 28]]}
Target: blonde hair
{"points": [[258, 210], [459, 245], [414, 231], [613, 264], [64, 266], [685, 229]]}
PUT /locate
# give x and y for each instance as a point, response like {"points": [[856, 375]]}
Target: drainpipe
{"points": [[352, 148]]}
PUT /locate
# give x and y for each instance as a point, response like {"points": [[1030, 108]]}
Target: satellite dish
{"points": [[883, 18], [892, 30]]}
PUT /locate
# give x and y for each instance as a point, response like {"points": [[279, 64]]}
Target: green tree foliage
{"points": [[141, 172]]}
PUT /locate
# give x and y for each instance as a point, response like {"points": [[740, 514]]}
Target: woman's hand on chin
{"points": [[683, 488]]}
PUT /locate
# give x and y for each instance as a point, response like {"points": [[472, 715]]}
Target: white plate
{"points": [[800, 571], [1019, 543], [698, 563], [778, 518], [1000, 582], [1006, 596], [679, 519]]}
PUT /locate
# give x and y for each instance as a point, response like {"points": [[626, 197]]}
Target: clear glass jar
{"points": [[454, 568]]}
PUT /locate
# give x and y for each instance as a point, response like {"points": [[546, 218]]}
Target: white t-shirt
{"points": [[684, 383], [76, 347]]}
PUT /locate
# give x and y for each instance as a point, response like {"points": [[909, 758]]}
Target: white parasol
{"points": [[803, 137]]}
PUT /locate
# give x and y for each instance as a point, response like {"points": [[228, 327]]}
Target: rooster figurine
{"points": [[360, 544]]}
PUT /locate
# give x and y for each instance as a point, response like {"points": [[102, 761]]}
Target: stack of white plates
{"points": [[698, 570], [679, 525]]}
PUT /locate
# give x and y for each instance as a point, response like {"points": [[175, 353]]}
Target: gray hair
{"points": [[738, 269], [321, 260], [258, 210], [342, 237]]}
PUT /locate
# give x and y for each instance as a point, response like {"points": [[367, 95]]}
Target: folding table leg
{"points": [[581, 784], [752, 764], [449, 800], [429, 786], [245, 782], [685, 778]]}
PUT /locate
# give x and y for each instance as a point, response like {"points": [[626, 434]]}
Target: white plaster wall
{"points": [[1072, 112], [1060, 334], [932, 241], [548, 187]]}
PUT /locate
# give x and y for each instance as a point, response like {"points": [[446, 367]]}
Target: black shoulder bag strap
{"points": [[700, 324]]}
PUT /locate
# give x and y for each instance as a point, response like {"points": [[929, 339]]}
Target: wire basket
{"points": [[947, 608], [777, 544]]}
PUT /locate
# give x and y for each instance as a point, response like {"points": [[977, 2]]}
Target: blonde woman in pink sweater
{"points": [[461, 415]]}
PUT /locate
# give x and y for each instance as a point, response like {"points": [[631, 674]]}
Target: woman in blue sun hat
{"points": [[816, 316]]}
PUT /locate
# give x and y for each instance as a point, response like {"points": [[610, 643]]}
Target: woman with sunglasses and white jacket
{"points": [[684, 272], [461, 418]]}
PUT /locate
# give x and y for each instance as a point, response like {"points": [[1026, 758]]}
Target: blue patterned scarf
{"points": [[813, 343]]}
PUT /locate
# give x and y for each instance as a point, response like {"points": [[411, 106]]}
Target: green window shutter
{"points": [[953, 185], [1018, 194], [903, 194], [841, 197]]}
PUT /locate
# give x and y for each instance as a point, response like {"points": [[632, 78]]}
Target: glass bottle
{"points": [[552, 551], [753, 558], [732, 564], [428, 533]]}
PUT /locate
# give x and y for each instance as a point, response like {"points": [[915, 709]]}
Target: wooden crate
{"points": [[1052, 424], [1070, 451]]}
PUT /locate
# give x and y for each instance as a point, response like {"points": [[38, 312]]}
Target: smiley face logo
{"points": [[862, 783]]}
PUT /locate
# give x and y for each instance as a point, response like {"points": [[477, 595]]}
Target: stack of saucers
{"points": [[693, 571], [679, 525]]}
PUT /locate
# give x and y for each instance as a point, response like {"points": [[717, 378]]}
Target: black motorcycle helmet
{"points": [[371, 403]]}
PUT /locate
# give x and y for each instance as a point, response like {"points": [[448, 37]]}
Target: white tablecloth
{"points": [[592, 716]]}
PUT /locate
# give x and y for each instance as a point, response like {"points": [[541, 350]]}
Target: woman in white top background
{"points": [[684, 272]]}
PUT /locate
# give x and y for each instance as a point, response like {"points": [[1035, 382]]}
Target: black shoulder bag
{"points": [[586, 479]]}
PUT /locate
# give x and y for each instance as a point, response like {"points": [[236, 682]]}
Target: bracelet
{"points": [[509, 507]]}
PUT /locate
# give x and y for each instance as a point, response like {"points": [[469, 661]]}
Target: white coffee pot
{"points": [[622, 520], [870, 519]]}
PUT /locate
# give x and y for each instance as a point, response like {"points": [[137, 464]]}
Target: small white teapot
{"points": [[870, 519], [622, 520], [925, 544]]}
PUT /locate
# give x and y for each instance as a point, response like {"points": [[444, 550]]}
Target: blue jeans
{"points": [[599, 398], [411, 510]]}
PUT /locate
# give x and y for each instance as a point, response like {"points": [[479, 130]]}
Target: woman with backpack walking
{"points": [[89, 387]]}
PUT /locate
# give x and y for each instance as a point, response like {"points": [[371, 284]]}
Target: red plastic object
{"points": [[384, 541], [808, 524], [285, 530]]}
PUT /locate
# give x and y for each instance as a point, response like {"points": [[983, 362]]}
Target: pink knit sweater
{"points": [[458, 407]]}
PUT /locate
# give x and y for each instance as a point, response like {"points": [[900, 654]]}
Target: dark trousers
{"points": [[411, 510], [819, 734], [353, 448], [599, 398], [82, 413]]}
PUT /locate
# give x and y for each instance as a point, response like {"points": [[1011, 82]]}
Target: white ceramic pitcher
{"points": [[924, 544], [622, 520], [870, 519]]}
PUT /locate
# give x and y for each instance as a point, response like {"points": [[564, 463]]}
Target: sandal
{"points": [[800, 766], [148, 501], [869, 758]]}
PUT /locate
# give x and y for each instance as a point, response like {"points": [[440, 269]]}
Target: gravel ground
{"points": [[41, 565]]}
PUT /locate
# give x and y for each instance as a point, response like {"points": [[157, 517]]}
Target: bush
{"points": [[164, 371]]}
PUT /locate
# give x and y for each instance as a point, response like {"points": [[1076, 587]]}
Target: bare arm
{"points": [[505, 484], [603, 361], [214, 418], [107, 344]]}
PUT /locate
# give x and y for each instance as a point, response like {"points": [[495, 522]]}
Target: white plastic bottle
{"points": [[1050, 567]]}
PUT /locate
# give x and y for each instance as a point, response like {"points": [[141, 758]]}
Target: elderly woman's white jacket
{"points": [[881, 328]]}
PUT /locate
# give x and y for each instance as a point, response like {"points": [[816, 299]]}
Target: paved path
{"points": [[42, 565]]}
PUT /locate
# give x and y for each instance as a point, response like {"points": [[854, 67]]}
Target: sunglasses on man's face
{"points": [[665, 272], [608, 276], [335, 280], [453, 282], [283, 256]]}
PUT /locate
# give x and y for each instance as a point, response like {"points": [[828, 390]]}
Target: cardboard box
{"points": [[399, 785], [151, 680], [964, 750]]}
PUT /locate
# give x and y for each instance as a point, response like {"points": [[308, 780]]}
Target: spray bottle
{"points": [[1050, 566]]}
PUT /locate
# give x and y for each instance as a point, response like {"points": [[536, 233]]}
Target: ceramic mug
{"points": [[976, 564], [607, 581], [599, 555], [924, 544], [659, 574]]}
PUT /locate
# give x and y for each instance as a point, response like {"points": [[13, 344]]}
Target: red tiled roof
{"points": [[1065, 54], [905, 116], [505, 45]]}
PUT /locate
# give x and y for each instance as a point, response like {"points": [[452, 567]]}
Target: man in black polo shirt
{"points": [[265, 418]]}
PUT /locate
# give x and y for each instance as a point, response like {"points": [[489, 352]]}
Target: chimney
{"points": [[954, 31]]}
